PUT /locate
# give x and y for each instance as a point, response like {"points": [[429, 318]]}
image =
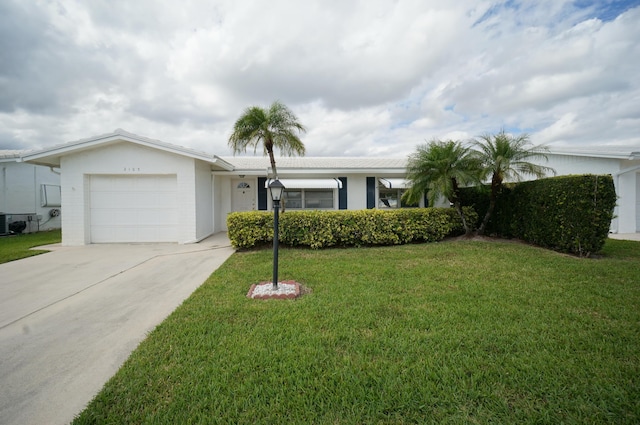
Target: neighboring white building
{"points": [[121, 187], [28, 193], [624, 167]]}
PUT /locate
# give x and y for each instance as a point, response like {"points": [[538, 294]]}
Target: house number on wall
{"points": [[130, 169]]}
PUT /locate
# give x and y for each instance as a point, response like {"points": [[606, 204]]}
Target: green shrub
{"points": [[456, 223], [478, 198], [249, 229], [321, 229], [568, 213]]}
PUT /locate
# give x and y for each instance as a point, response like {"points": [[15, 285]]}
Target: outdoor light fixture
{"points": [[277, 189]]}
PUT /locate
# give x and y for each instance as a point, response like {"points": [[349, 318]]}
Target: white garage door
{"points": [[134, 209]]}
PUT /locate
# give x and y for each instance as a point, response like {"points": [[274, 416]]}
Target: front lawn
{"points": [[15, 247], [454, 333]]}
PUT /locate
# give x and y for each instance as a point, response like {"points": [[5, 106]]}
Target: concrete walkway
{"points": [[625, 236], [71, 317]]}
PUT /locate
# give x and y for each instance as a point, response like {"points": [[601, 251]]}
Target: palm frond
{"points": [[275, 126], [437, 167]]}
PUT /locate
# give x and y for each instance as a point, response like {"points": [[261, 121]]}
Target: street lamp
{"points": [[277, 189]]}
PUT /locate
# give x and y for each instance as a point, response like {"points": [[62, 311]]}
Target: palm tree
{"points": [[439, 169], [273, 127], [505, 157]]}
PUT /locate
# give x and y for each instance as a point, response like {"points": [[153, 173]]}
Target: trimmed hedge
{"points": [[567, 214], [321, 229]]}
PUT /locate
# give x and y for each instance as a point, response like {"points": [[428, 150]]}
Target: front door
{"points": [[243, 195]]}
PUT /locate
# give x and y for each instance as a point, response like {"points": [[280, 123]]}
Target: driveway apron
{"points": [[70, 318]]}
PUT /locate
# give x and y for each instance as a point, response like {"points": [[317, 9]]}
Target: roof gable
{"points": [[51, 156]]}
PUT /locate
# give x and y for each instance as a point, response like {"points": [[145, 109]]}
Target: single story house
{"points": [[29, 194], [121, 187]]}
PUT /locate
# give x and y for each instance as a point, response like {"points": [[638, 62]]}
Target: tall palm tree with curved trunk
{"points": [[273, 127], [440, 169], [506, 157]]}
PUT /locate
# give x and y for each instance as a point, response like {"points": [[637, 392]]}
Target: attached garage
{"points": [[124, 188], [125, 208]]}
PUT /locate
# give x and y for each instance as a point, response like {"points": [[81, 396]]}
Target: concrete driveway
{"points": [[71, 317]]}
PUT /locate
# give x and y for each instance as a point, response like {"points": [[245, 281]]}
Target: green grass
{"points": [[444, 333], [16, 247]]}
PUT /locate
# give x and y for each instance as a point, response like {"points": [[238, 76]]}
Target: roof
{"points": [[9, 155], [258, 164], [51, 156], [332, 164], [612, 154]]}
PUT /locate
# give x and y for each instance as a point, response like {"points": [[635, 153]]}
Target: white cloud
{"points": [[367, 78]]}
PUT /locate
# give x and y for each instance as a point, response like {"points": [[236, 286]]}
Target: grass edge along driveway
{"points": [[16, 247], [454, 332]]}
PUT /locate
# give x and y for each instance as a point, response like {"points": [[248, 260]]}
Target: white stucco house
{"points": [[121, 187], [29, 193]]}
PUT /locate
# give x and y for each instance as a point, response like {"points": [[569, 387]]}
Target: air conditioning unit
{"points": [[30, 223], [4, 224]]}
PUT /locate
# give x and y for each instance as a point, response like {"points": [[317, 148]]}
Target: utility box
{"points": [[4, 225], [11, 223]]}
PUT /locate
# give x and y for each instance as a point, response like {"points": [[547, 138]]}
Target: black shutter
{"points": [[342, 194], [262, 194], [371, 192]]}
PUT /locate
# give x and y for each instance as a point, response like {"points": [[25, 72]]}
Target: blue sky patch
{"points": [[607, 10]]}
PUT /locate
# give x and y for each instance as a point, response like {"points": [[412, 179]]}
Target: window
{"points": [[243, 185], [293, 199], [50, 195], [392, 198], [388, 198], [308, 199]]}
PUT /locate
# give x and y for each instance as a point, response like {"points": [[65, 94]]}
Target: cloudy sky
{"points": [[368, 78]]}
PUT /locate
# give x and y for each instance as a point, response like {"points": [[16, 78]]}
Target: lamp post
{"points": [[277, 189]]}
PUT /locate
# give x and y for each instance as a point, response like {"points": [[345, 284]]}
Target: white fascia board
{"points": [[221, 163], [595, 154], [233, 172]]}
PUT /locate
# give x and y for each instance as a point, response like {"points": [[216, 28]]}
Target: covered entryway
{"points": [[133, 208]]}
